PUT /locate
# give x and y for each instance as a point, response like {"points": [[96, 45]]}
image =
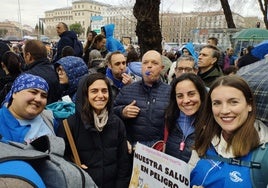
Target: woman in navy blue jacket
{"points": [[187, 97]]}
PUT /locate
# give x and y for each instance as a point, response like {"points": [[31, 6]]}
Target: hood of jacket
{"points": [[135, 68], [75, 68], [109, 30], [190, 47]]}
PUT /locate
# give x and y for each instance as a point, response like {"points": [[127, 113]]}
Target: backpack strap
{"points": [[50, 144], [259, 176], [233, 161], [71, 142], [47, 116]]}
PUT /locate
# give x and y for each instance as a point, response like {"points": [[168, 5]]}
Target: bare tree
{"points": [[228, 13], [263, 6], [205, 4], [148, 28]]}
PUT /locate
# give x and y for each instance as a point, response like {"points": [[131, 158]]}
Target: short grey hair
{"points": [[185, 58]]}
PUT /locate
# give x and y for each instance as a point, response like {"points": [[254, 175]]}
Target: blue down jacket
{"points": [[152, 101], [112, 44]]}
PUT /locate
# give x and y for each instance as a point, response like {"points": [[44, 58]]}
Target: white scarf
{"points": [[101, 119]]}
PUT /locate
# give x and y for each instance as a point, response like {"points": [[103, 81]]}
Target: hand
{"points": [[131, 110], [126, 79], [195, 186], [129, 147], [84, 166]]}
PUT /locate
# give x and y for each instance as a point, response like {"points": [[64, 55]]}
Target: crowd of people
{"points": [[113, 98]]}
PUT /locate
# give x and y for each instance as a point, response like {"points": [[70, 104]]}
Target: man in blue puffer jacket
{"points": [[141, 105]]}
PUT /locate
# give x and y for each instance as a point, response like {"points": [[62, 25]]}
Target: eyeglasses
{"points": [[185, 69], [60, 70]]}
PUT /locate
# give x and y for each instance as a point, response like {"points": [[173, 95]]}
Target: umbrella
{"points": [[251, 34], [260, 50], [256, 76]]}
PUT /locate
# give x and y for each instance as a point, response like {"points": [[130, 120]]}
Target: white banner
{"points": [[154, 169]]}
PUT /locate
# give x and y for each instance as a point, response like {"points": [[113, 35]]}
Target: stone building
{"points": [[176, 27], [80, 12]]}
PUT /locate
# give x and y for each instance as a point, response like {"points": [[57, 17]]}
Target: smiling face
{"points": [[187, 97], [230, 108], [28, 103], [98, 95]]}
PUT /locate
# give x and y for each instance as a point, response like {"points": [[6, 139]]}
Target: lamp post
{"points": [[19, 19], [182, 4]]}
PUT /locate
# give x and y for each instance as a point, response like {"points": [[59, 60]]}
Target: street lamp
{"points": [[182, 4], [19, 19]]}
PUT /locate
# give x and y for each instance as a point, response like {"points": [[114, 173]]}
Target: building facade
{"points": [[176, 27], [80, 12], [14, 29]]}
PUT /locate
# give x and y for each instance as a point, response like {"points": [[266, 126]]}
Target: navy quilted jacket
{"points": [[152, 101]]}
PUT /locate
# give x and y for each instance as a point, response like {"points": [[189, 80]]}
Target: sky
{"points": [[32, 10]]}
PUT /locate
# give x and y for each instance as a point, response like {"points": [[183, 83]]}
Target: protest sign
{"points": [[153, 169]]}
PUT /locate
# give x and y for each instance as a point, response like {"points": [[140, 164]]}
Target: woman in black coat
{"points": [[99, 135], [11, 64]]}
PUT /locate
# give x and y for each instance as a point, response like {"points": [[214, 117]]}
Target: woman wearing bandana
{"points": [[22, 115]]}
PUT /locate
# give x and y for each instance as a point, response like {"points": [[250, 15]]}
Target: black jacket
{"points": [[5, 85], [105, 153], [45, 69], [211, 75], [247, 60], [66, 39], [173, 144]]}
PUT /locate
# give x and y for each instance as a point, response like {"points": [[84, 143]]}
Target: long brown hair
{"points": [[244, 138], [97, 38], [88, 43]]}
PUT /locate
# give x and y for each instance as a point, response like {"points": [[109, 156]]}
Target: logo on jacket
{"points": [[235, 176]]}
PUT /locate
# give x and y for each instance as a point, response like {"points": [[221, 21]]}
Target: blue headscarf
{"points": [[26, 81]]}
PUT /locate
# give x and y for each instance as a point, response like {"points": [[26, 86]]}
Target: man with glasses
{"points": [[185, 64]]}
